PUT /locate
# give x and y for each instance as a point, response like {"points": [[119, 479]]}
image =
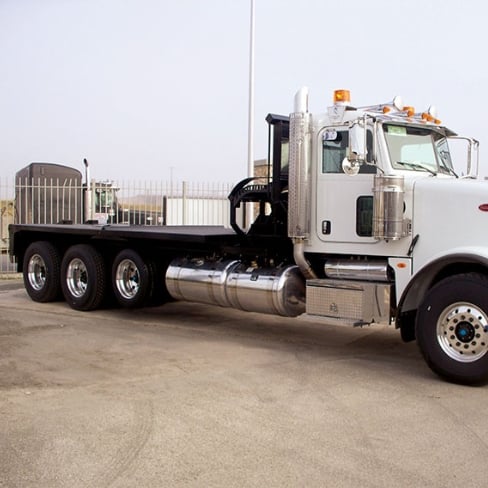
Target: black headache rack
{"points": [[268, 192]]}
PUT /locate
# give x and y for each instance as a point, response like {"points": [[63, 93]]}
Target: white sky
{"points": [[148, 88]]}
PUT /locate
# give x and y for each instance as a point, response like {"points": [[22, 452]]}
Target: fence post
{"points": [[184, 200]]}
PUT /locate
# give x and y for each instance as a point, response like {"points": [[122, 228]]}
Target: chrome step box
{"points": [[350, 302]]}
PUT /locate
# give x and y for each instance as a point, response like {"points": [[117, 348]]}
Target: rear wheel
{"points": [[132, 279], [83, 277], [452, 328], [40, 271]]}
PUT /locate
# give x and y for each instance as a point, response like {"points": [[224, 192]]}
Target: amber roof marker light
{"points": [[342, 97]]}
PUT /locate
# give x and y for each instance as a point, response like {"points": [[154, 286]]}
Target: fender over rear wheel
{"points": [[452, 328], [40, 271], [83, 277]]}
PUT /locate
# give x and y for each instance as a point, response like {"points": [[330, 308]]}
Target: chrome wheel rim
{"points": [[462, 332], [77, 277], [127, 279], [36, 273]]}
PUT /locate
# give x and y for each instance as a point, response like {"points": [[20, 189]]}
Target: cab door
{"points": [[344, 202]]}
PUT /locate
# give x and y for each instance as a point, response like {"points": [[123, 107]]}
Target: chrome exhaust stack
{"points": [[299, 181]]}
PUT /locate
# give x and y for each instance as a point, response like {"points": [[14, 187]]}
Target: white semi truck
{"points": [[362, 220]]}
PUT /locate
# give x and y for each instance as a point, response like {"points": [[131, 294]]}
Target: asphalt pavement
{"points": [[189, 395]]}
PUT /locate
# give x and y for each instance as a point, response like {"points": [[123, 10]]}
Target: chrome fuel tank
{"points": [[197, 280], [348, 269], [278, 291], [230, 283]]}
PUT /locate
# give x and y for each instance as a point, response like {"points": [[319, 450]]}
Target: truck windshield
{"points": [[418, 149], [104, 199]]}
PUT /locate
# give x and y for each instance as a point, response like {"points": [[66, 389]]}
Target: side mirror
{"points": [[357, 148], [350, 167], [357, 141]]}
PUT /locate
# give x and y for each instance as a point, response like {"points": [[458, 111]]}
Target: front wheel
{"points": [[452, 328]]}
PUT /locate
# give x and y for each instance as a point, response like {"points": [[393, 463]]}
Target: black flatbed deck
{"points": [[196, 240], [190, 237], [181, 233]]}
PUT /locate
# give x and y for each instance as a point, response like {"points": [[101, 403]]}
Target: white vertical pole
{"points": [[183, 201], [88, 194], [250, 147]]}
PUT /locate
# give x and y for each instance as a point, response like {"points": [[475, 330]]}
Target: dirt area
{"points": [[187, 395]]}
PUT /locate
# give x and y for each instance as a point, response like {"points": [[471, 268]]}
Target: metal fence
{"points": [[54, 200]]}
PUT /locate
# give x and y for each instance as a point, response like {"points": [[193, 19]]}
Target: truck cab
{"points": [[105, 202], [354, 150]]}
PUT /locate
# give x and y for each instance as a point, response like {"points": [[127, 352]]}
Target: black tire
{"points": [[41, 272], [160, 292], [83, 278], [452, 328], [132, 279]]}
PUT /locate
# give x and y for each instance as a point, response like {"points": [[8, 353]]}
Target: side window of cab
{"points": [[335, 147]]}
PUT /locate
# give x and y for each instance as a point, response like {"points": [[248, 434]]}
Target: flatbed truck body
{"points": [[362, 219]]}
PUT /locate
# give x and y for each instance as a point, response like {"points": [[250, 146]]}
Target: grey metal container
{"points": [[47, 193]]}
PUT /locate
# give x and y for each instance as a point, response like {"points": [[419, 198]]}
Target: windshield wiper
{"points": [[417, 165], [448, 169]]}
